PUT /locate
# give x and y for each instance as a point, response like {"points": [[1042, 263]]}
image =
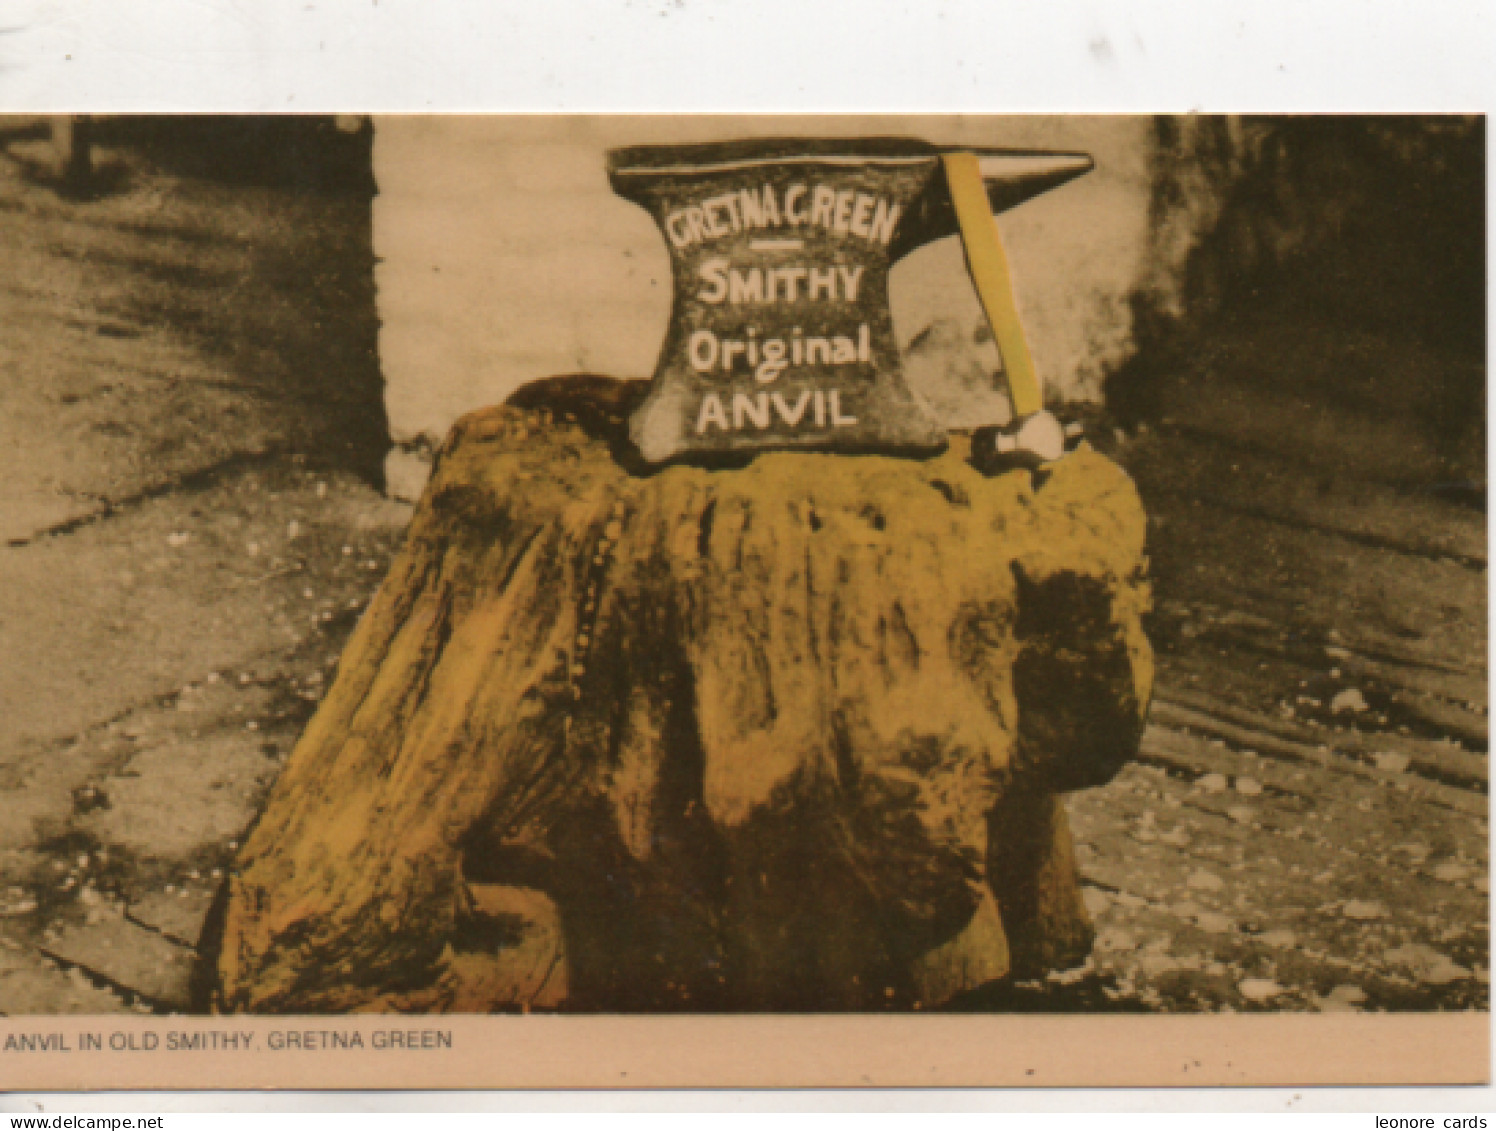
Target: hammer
{"points": [[1034, 436]]}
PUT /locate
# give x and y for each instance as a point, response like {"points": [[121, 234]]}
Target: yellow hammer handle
{"points": [[988, 264]]}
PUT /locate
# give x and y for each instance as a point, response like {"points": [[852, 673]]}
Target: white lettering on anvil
{"points": [[726, 283], [768, 359], [844, 211], [762, 409]]}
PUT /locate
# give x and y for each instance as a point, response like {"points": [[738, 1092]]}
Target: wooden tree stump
{"points": [[783, 736]]}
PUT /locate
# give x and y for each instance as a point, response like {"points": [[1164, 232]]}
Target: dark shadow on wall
{"points": [[1339, 264], [264, 261], [297, 153]]}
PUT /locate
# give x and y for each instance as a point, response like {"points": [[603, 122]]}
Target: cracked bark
{"points": [[787, 735]]}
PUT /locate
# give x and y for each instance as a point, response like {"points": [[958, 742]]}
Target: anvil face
{"points": [[781, 334]]}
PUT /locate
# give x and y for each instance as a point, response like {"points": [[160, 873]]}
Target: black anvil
{"points": [[781, 335]]}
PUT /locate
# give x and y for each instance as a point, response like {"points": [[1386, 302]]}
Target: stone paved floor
{"points": [[189, 536]]}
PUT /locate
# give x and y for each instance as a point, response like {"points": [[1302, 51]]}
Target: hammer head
{"points": [[1031, 442]]}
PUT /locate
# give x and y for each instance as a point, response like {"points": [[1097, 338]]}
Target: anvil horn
{"points": [[1012, 178]]}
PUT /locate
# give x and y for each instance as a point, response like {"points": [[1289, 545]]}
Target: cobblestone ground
{"points": [[189, 538], [189, 535]]}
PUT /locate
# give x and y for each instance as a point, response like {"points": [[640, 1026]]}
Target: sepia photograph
{"points": [[739, 565]]}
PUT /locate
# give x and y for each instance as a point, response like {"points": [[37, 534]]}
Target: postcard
{"points": [[675, 600]]}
